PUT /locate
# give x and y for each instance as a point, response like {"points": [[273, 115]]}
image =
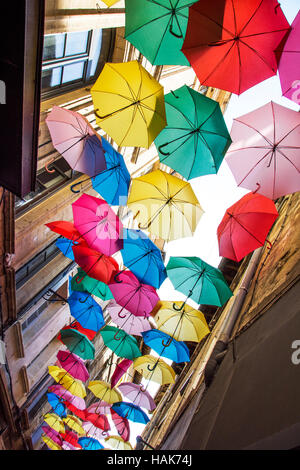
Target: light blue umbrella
{"points": [[89, 443], [86, 311], [55, 403], [65, 247], [131, 412], [166, 346]]}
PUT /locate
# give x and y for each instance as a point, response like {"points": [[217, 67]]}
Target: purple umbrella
{"points": [[132, 324], [73, 364], [136, 394], [54, 435], [100, 407], [66, 395]]}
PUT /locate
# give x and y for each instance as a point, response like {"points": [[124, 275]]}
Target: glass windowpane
{"points": [[76, 43]]}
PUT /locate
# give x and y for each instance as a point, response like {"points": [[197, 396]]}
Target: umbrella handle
{"points": [[121, 316], [145, 227], [174, 34], [151, 368], [73, 186], [117, 339], [166, 344], [83, 301], [78, 279], [178, 309], [142, 388], [161, 151], [104, 433], [257, 189], [49, 163], [269, 244], [116, 276]]}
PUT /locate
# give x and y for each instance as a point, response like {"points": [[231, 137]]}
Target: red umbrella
{"points": [[245, 226], [81, 414], [76, 326], [95, 264], [230, 43], [66, 229], [98, 420], [122, 425], [71, 437], [120, 370]]}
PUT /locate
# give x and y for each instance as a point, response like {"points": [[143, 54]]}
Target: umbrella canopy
{"points": [[90, 286], [60, 391], [86, 311], [81, 414], [75, 139], [65, 246], [74, 386], [54, 421], [104, 391], [66, 229], [113, 183], [157, 29], [67, 446], [186, 324], [288, 53], [198, 280], [120, 370], [265, 154], [89, 443], [98, 420], [98, 224], [136, 394], [90, 334], [143, 258], [164, 205], [131, 412], [245, 226], [154, 369], [196, 138], [56, 405], [121, 424], [74, 423], [230, 44], [71, 437], [129, 104], [120, 342], [118, 443], [52, 434], [77, 343], [51, 443], [100, 407], [139, 299], [166, 346], [109, 3], [73, 365], [131, 324], [95, 264]]}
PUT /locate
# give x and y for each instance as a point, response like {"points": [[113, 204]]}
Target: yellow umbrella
{"points": [[154, 369], [74, 386], [187, 324], [74, 423], [51, 444], [129, 104], [55, 422], [118, 443], [164, 205], [104, 391], [109, 3]]}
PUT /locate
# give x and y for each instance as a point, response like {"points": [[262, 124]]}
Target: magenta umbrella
{"points": [[100, 407], [132, 324], [98, 224], [288, 54], [75, 139], [139, 299], [122, 425], [73, 364], [60, 391], [264, 156], [120, 370], [138, 396], [54, 435]]}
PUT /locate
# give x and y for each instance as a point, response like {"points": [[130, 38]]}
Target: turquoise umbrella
{"points": [[196, 138], [77, 343], [121, 343]]}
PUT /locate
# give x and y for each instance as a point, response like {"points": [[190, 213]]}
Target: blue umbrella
{"points": [[166, 346], [131, 412], [86, 311], [89, 443], [65, 247], [143, 258], [56, 405]]}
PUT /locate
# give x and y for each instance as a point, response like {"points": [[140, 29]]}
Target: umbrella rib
{"points": [[256, 130], [125, 80], [290, 161], [254, 166], [251, 17], [259, 55], [286, 135], [218, 64]]}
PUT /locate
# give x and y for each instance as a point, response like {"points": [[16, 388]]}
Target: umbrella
{"points": [[164, 205], [52, 434], [154, 369], [88, 313], [143, 258], [74, 423], [120, 342], [98, 224], [230, 44], [98, 420], [66, 229], [104, 391], [93, 431], [57, 406], [60, 391], [129, 104], [77, 343], [166, 346], [81, 414], [245, 226], [71, 438], [196, 138], [186, 324], [131, 412], [75, 139], [138, 298], [90, 286], [54, 421], [198, 280], [90, 334], [89, 443], [74, 386], [120, 370], [118, 443], [99, 407], [109, 3], [157, 29], [288, 53], [67, 446], [65, 246], [121, 424], [95, 264], [136, 394], [51, 443], [131, 324], [265, 154], [73, 364]]}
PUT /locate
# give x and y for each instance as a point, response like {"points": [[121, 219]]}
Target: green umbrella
{"points": [[196, 137], [157, 29], [90, 286], [198, 280], [122, 344], [78, 343]]}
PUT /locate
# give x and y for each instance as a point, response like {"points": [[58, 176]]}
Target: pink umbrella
{"points": [[54, 435], [66, 395], [67, 446], [93, 431], [75, 139], [129, 292], [130, 323], [122, 425], [138, 396], [99, 407], [288, 54], [98, 224], [265, 152], [73, 364], [120, 370]]}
